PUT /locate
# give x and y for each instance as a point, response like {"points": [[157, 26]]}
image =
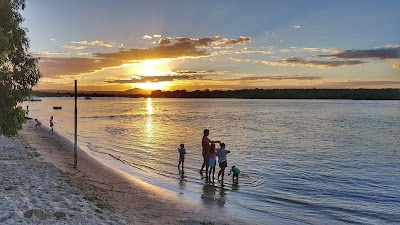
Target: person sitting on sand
{"points": [[38, 124], [51, 123], [182, 153], [222, 162], [236, 172]]}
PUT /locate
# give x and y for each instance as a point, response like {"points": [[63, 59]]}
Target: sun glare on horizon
{"points": [[152, 68], [153, 85]]}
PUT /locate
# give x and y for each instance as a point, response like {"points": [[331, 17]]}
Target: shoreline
{"points": [[130, 199]]}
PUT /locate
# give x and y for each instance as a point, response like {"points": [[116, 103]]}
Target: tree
{"points": [[18, 69]]}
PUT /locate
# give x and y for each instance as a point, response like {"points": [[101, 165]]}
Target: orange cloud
{"points": [[168, 48], [55, 67], [396, 65]]}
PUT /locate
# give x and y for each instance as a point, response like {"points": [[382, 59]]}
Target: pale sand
{"points": [[34, 191]]}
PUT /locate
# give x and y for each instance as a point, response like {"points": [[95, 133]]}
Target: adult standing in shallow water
{"points": [[205, 142]]}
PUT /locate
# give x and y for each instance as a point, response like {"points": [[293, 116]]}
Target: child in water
{"points": [[222, 162], [236, 172], [182, 153], [212, 161]]}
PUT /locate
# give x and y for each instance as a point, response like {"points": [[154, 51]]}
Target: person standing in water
{"points": [[182, 153], [212, 161], [222, 162], [51, 123], [205, 143]]}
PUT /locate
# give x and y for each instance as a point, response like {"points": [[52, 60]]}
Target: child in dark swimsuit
{"points": [[182, 153], [51, 123]]}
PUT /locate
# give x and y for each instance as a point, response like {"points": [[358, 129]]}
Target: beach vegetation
{"points": [[18, 68]]}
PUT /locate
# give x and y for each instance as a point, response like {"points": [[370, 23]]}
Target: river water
{"points": [[313, 162]]}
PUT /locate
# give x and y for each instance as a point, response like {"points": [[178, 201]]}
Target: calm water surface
{"points": [[314, 162]]}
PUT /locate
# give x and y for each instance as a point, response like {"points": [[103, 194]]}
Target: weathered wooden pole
{"points": [[76, 127]]}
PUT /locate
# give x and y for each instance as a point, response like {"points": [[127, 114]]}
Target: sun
{"points": [[153, 85], [153, 69]]}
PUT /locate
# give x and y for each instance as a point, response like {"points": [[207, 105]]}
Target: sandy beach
{"points": [[40, 186]]}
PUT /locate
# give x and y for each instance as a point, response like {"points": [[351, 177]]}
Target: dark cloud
{"points": [[54, 67], [241, 40], [145, 79], [217, 40], [314, 63], [180, 49], [184, 47], [165, 41], [288, 77], [379, 54]]}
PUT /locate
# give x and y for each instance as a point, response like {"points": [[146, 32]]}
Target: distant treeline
{"points": [[356, 94], [86, 93]]}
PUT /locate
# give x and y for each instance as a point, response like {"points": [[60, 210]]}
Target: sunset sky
{"points": [[196, 45]]}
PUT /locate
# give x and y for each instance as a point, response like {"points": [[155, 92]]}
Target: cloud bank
{"points": [[295, 61], [180, 47], [377, 54]]}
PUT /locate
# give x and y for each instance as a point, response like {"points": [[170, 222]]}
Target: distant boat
{"points": [[35, 99], [57, 107], [88, 97]]}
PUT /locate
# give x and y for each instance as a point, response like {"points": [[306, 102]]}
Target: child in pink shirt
{"points": [[212, 161]]}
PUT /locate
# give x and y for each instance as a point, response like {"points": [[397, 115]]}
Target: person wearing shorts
{"points": [[212, 161], [222, 152], [205, 143]]}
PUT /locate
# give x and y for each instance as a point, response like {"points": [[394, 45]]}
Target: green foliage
{"points": [[18, 69]]}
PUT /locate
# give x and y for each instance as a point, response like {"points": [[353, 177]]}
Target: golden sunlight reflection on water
{"points": [[149, 123]]}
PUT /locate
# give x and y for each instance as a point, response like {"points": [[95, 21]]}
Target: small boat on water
{"points": [[57, 107], [88, 97], [35, 99]]}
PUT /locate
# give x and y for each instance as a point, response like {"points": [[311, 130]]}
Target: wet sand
{"points": [[40, 185]]}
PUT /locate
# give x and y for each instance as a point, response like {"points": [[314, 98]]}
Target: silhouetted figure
{"points": [[51, 123], [206, 148], [182, 153]]}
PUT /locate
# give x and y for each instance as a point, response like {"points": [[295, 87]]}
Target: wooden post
{"points": [[76, 127]]}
